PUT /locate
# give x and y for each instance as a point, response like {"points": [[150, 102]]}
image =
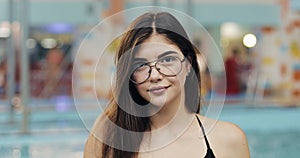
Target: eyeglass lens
{"points": [[167, 66]]}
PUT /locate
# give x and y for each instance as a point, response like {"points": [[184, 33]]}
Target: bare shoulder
{"points": [[227, 138], [230, 132]]}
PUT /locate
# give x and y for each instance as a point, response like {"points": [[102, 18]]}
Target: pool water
{"points": [[274, 145], [43, 150], [262, 145], [272, 133]]}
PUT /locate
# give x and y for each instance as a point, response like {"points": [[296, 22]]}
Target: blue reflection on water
{"points": [[63, 135]]}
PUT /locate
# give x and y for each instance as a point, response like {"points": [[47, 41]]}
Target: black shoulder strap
{"points": [[206, 141]]}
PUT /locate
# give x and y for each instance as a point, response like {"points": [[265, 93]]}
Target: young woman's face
{"points": [[160, 71]]}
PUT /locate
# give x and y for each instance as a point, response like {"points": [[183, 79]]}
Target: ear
{"points": [[189, 66], [189, 63]]}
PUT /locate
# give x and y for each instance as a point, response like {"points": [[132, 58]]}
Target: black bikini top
{"points": [[209, 153]]}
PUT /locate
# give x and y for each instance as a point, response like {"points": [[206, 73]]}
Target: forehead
{"points": [[154, 46]]}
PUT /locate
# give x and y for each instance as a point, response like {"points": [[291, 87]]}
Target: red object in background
{"points": [[283, 69], [296, 93], [296, 75], [232, 76], [267, 29]]}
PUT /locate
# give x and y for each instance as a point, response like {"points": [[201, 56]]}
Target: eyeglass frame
{"points": [[157, 69]]}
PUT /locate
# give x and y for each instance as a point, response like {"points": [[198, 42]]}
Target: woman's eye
{"points": [[168, 59], [141, 65]]}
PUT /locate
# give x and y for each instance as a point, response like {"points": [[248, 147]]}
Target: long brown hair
{"points": [[126, 116]]}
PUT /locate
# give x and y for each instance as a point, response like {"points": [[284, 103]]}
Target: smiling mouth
{"points": [[159, 89]]}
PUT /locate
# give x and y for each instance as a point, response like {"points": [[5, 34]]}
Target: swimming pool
{"points": [[271, 132]]}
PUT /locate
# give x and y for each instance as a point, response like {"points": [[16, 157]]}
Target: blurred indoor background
{"points": [[259, 42]]}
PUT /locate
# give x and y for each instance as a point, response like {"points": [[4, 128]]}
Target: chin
{"points": [[157, 104], [158, 101]]}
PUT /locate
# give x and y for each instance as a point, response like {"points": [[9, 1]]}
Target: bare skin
{"points": [[226, 140], [174, 121]]}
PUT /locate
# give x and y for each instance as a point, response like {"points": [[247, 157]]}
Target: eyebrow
{"points": [[167, 53], [161, 55]]}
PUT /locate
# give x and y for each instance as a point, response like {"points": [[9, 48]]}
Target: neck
{"points": [[167, 125], [171, 113]]}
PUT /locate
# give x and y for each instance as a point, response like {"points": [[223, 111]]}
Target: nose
{"points": [[154, 75]]}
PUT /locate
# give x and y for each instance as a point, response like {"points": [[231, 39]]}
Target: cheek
{"points": [[179, 80], [141, 89]]}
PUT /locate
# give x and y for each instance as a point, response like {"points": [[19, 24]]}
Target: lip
{"points": [[158, 89]]}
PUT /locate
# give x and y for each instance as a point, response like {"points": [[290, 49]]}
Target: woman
{"points": [[156, 109]]}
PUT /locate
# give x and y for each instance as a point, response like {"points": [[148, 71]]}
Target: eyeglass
{"points": [[169, 66]]}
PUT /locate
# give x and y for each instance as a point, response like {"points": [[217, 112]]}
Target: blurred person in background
{"points": [[233, 73], [54, 71], [3, 75], [155, 111], [237, 70], [54, 59]]}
